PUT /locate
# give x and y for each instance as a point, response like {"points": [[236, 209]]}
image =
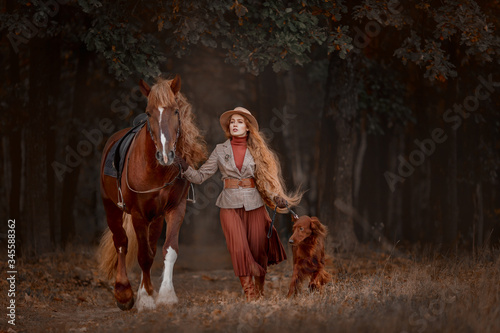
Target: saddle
{"points": [[113, 165]]}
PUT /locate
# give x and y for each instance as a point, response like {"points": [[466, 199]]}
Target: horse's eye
{"points": [[301, 229], [176, 111], [148, 114]]}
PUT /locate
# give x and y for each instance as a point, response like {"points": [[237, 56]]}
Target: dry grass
{"points": [[371, 292]]}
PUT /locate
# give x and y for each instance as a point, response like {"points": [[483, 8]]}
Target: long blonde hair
{"points": [[268, 177]]}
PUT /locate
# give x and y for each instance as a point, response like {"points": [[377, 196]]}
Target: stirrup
{"points": [[193, 198], [120, 203]]}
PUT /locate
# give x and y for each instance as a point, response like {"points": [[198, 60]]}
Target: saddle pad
{"points": [[118, 152]]}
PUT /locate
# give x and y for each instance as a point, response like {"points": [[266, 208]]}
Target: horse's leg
{"points": [[170, 249], [123, 291], [147, 236]]}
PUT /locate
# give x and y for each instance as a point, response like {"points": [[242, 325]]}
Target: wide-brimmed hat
{"points": [[241, 111]]}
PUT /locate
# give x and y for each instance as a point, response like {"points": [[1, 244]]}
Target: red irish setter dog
{"points": [[308, 244]]}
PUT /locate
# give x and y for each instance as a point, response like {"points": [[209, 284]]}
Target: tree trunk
{"points": [[290, 140], [15, 159], [395, 198], [52, 81], [451, 223], [478, 217], [36, 216], [453, 95], [359, 161], [420, 186], [337, 152], [15, 131], [13, 128], [71, 178]]}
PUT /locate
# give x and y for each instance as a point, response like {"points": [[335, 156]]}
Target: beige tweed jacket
{"points": [[222, 159]]}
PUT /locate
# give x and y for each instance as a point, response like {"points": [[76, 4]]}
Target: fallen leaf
{"points": [[207, 278]]}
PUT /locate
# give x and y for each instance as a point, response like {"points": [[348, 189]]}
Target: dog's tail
{"points": [[107, 256]]}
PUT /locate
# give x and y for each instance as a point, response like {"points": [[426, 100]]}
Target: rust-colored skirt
{"points": [[246, 238]]}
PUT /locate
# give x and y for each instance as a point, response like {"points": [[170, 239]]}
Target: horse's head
{"points": [[163, 116]]}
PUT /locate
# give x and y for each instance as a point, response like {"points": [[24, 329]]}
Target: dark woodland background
{"points": [[386, 113]]}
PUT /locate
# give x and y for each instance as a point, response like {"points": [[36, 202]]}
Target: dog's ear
{"points": [[317, 226], [314, 223]]}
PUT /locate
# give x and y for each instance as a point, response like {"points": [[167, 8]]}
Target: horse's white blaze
{"points": [[167, 292], [163, 138], [144, 301]]}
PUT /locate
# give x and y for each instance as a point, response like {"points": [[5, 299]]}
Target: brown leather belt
{"points": [[237, 183]]}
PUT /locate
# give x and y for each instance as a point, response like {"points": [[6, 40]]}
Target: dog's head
{"points": [[304, 227]]}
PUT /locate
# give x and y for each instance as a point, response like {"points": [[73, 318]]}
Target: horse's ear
{"points": [[144, 87], [175, 85]]}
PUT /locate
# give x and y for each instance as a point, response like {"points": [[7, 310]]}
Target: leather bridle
{"points": [[159, 154]]}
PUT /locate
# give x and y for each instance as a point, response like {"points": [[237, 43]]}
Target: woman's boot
{"points": [[248, 288], [259, 285]]}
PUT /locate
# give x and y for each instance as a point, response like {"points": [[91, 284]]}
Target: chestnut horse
{"points": [[151, 190]]}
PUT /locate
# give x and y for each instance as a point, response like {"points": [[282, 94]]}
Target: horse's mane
{"points": [[191, 144]]}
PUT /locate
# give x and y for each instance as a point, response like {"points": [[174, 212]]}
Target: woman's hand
{"points": [[179, 160], [280, 202]]}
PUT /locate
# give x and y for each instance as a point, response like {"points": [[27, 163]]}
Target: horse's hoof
{"points": [[167, 297], [145, 301], [126, 306]]}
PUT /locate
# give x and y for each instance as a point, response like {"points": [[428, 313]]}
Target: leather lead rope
{"points": [[270, 231], [153, 189], [295, 216]]}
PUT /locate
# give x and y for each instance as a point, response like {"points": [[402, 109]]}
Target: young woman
{"points": [[252, 176]]}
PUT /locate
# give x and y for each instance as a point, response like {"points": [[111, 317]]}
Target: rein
{"points": [[156, 189], [270, 232]]}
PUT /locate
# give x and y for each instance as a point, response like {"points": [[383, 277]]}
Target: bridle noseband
{"points": [[159, 154]]}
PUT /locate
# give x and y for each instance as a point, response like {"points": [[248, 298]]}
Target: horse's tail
{"points": [[108, 257]]}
